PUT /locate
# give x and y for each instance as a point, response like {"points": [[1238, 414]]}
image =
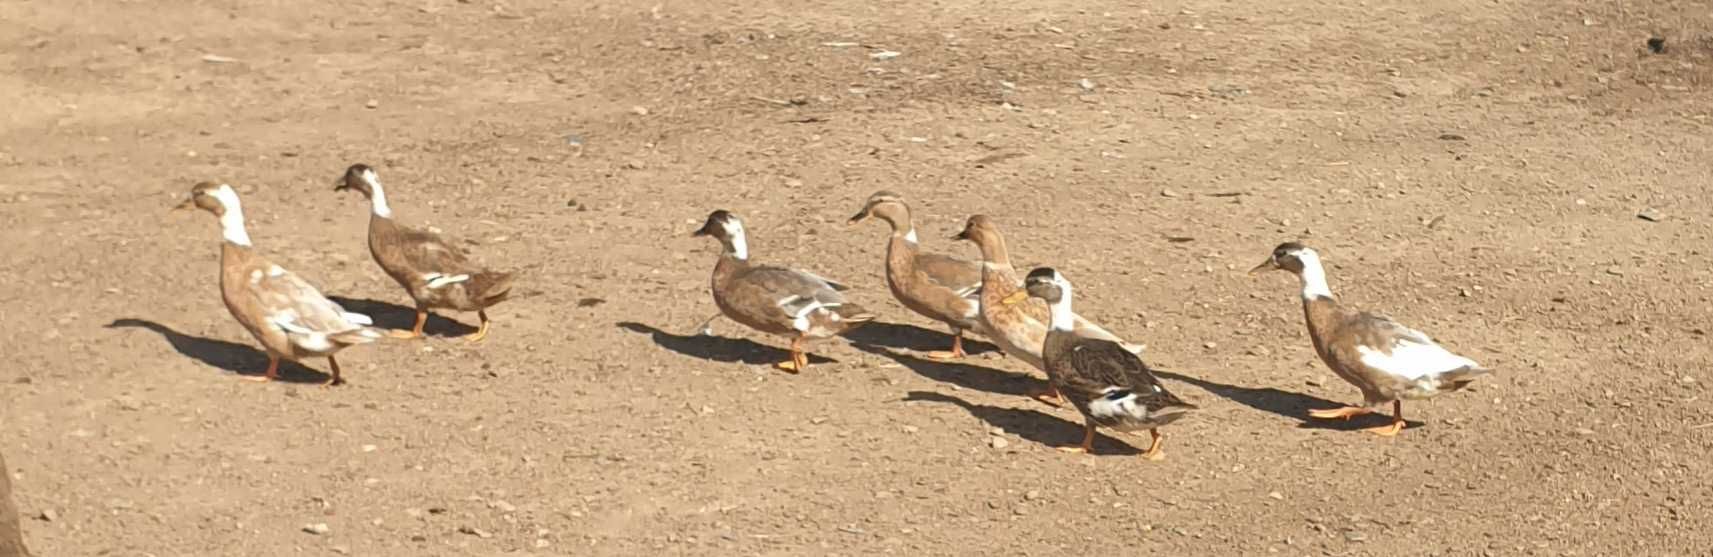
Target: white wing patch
{"points": [[357, 318], [801, 308], [275, 270], [1117, 403], [255, 276], [302, 336], [437, 280], [1414, 360]]}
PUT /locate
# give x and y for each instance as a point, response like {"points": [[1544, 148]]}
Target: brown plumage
{"points": [[290, 318], [776, 300], [1384, 359], [1019, 328], [436, 274], [1107, 383], [940, 287]]}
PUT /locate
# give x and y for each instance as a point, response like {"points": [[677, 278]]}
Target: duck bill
{"points": [[705, 230], [1268, 265], [341, 184], [962, 236], [186, 204], [1015, 297], [858, 218]]}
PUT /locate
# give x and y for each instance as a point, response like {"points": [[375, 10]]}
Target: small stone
{"points": [[1687, 380], [370, 448], [1583, 431], [1086, 85], [372, 104], [1276, 496], [1210, 345], [793, 183], [911, 429], [1615, 271], [639, 110], [1032, 495], [319, 528], [474, 531], [127, 402], [998, 442], [1168, 193], [1355, 536], [340, 549], [1315, 382], [543, 544], [634, 164], [1650, 214], [48, 515], [885, 55]]}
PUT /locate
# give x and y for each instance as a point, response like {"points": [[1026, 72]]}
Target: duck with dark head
{"points": [[436, 273], [776, 300], [1108, 384], [1385, 360]]}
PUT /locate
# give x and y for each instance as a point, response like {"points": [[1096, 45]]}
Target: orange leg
{"points": [[957, 351], [336, 379], [1344, 413], [1088, 441], [415, 332], [1154, 452], [1049, 396], [482, 331], [273, 371], [1397, 424], [798, 360]]}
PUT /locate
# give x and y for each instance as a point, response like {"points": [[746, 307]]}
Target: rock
{"points": [[372, 104], [1583, 431], [1032, 495], [885, 55], [48, 515], [1656, 45], [1086, 85], [474, 531], [1354, 536], [1276, 496], [319, 529], [127, 402], [340, 549], [639, 110], [1168, 193], [543, 544], [502, 506], [1650, 214], [911, 429], [998, 442]]}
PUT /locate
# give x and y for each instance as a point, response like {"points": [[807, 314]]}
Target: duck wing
{"points": [[1388, 346], [309, 319], [1114, 381]]}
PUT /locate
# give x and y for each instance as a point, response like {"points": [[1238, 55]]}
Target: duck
{"points": [[1019, 329], [776, 300], [1107, 383], [435, 273], [940, 287], [1385, 360], [288, 316]]}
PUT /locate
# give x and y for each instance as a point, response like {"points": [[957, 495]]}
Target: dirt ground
{"points": [[1474, 168]]}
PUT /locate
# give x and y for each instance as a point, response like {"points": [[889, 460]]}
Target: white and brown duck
{"points": [[1020, 329], [940, 287], [1384, 359], [290, 318], [436, 274], [776, 300], [1106, 382]]}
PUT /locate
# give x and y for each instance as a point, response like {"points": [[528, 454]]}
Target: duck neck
{"points": [[1313, 277], [993, 251], [232, 217], [1063, 319], [378, 199], [737, 247]]}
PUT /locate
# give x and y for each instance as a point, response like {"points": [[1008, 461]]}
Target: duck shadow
{"points": [[718, 349], [230, 356], [913, 338], [400, 318], [1035, 426], [963, 375], [1291, 405]]}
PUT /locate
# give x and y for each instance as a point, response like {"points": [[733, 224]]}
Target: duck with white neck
{"points": [[436, 273], [288, 317], [1105, 381], [1385, 360]]}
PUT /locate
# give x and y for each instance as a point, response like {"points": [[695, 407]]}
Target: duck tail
{"points": [[360, 335], [1460, 378], [853, 315], [490, 287]]}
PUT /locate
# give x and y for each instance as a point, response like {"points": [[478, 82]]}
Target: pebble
{"points": [[911, 429], [543, 544], [639, 110], [1650, 214], [48, 515], [473, 531], [1086, 85], [340, 549], [1355, 536], [1276, 496], [319, 528], [372, 104], [1584, 431], [1032, 495], [1168, 193], [998, 442], [885, 55]]}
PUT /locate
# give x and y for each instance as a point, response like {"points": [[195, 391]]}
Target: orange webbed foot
{"points": [[1344, 413]]}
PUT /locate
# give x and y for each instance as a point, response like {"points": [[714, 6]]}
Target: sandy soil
{"points": [[1473, 168]]}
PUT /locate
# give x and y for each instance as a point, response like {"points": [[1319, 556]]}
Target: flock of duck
{"points": [[1028, 318]]}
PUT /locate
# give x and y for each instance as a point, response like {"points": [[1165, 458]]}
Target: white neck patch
{"points": [[1314, 276], [734, 231], [1063, 318], [232, 220], [377, 196]]}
